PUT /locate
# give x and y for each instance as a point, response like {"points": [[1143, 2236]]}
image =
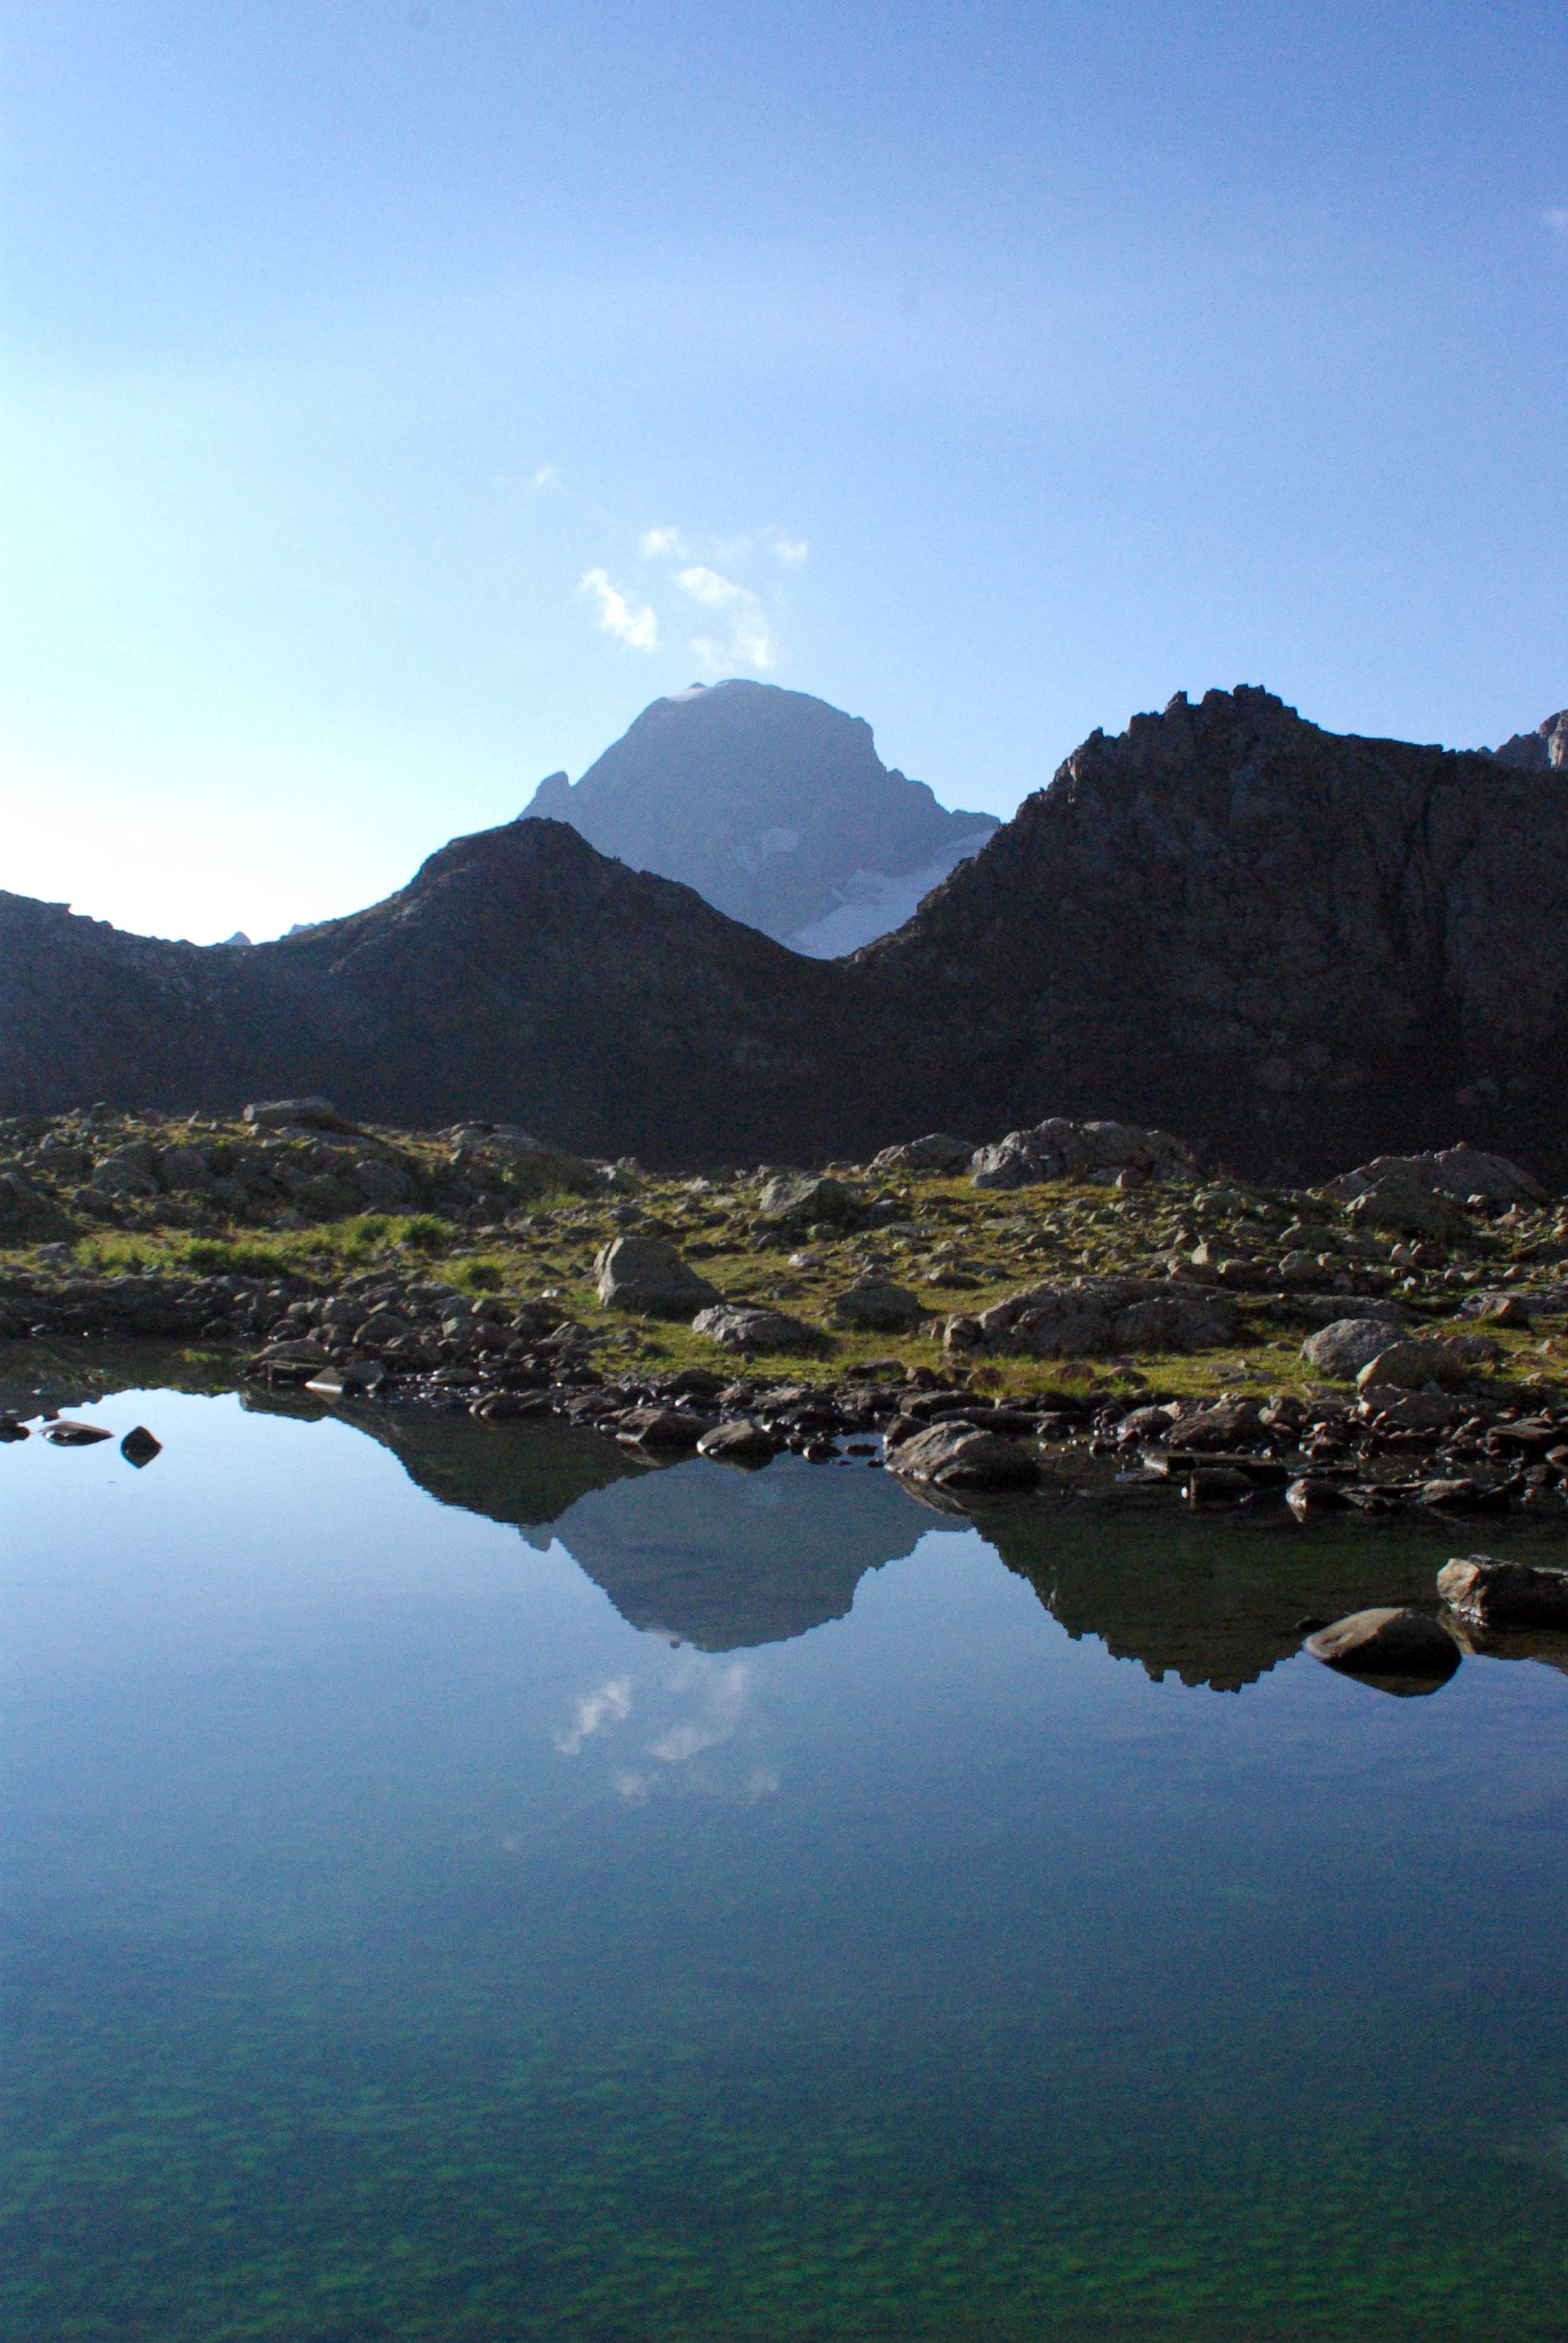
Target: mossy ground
{"points": [[958, 1248]]}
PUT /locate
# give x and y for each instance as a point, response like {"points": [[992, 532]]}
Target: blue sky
{"points": [[400, 397]]}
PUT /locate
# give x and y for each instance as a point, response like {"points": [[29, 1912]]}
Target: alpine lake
{"points": [[464, 1885]]}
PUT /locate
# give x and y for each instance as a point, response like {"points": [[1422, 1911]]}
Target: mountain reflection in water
{"points": [[725, 1558]]}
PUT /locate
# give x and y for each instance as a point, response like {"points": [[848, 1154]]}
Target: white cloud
{"points": [[791, 550], [662, 545], [727, 1696], [609, 1705], [750, 641], [707, 585], [546, 477], [1557, 221], [630, 621]]}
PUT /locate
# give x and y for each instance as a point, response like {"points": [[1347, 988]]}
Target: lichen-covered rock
{"points": [[1097, 1317], [1059, 1148]]}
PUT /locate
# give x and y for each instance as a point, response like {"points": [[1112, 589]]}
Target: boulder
{"points": [[1328, 1309], [740, 1442], [26, 1216], [1393, 1409], [1460, 1172], [1399, 1205], [1057, 1149], [295, 1113], [646, 1275], [1096, 1317], [960, 1455], [1387, 1643], [661, 1427], [1490, 1593], [1504, 1310], [744, 1326], [1343, 1350], [1410, 1366], [873, 1305], [799, 1200], [936, 1152]]}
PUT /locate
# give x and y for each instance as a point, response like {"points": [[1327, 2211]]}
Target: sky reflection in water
{"points": [[690, 1904]]}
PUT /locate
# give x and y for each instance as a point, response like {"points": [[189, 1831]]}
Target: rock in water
{"points": [[961, 1455], [1490, 1594], [646, 1275], [65, 1435], [1387, 1643], [138, 1447]]}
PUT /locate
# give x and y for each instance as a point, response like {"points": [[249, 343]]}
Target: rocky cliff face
{"points": [[776, 808], [1296, 950], [1543, 750], [1289, 944]]}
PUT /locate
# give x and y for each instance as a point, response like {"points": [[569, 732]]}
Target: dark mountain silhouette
{"points": [[775, 807], [1294, 948]]}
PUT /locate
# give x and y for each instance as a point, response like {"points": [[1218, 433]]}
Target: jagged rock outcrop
{"points": [[775, 807], [1544, 751]]}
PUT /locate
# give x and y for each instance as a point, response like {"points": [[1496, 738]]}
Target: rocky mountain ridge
{"points": [[1297, 948]]}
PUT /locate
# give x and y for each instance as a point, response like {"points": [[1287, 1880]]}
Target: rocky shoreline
{"points": [[1384, 1320]]}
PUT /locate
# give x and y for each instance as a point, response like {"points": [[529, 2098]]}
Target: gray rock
{"points": [[1387, 1643], [183, 1170], [1394, 1410], [1097, 1317], [740, 1442], [296, 1114], [960, 1455], [876, 1306], [1328, 1309], [936, 1152], [1400, 1206], [383, 1184], [661, 1427], [742, 1326], [1460, 1172], [646, 1275], [1343, 1350], [802, 1200], [1059, 1148], [1410, 1366], [1490, 1593]]}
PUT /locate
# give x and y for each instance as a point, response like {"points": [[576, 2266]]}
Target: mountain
{"points": [[1294, 946], [519, 975], [776, 808], [1297, 949]]}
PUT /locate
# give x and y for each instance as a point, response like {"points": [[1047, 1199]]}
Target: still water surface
{"points": [[460, 1884]]}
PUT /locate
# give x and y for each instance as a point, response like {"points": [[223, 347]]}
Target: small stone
{"points": [[65, 1435], [138, 1447]]}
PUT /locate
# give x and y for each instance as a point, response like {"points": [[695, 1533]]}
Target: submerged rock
{"points": [[138, 1447]]}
